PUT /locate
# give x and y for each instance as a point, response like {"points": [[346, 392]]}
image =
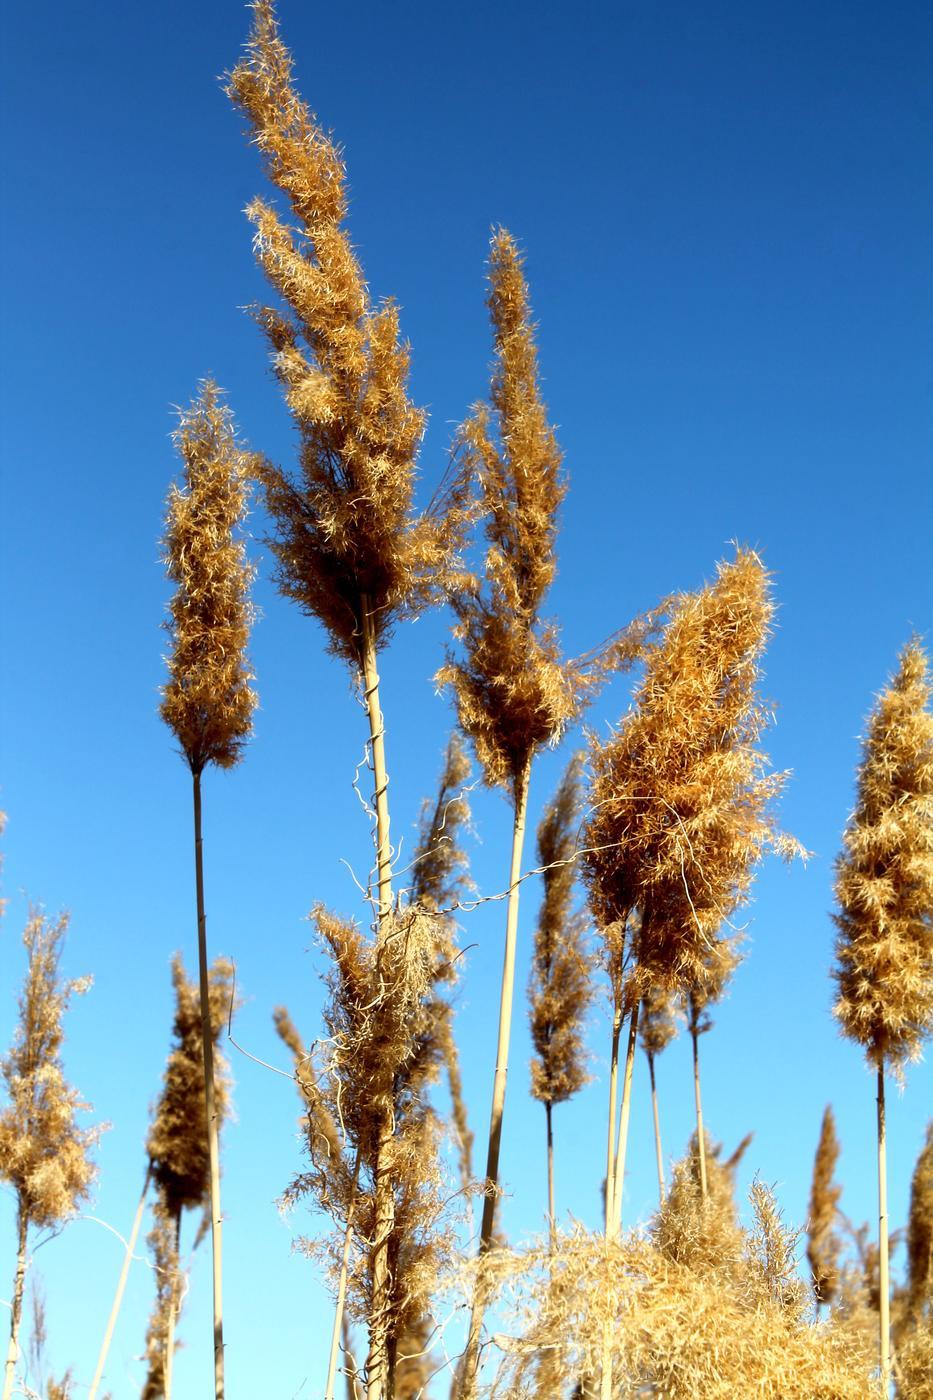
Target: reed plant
{"points": [[207, 700], [884, 891], [513, 692], [351, 550], [45, 1157]]}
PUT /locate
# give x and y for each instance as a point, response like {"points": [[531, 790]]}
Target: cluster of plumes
{"points": [[657, 1021], [884, 877], [681, 795], [560, 987], [513, 692], [379, 1044], [347, 540], [44, 1155], [177, 1147], [823, 1242], [684, 1321], [913, 1311], [207, 700]]}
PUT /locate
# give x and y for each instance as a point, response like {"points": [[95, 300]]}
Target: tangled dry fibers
{"points": [[884, 877], [207, 700]]}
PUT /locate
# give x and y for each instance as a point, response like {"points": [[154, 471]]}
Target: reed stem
{"points": [[884, 1284], [213, 1147], [121, 1285], [701, 1136], [471, 1354], [16, 1310]]}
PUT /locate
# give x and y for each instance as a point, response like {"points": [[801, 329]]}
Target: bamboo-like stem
{"points": [[377, 742], [207, 1046], [657, 1128], [340, 1308], [471, 1354], [616, 1171], [551, 1219], [624, 1121], [884, 1285], [168, 1360], [701, 1137], [16, 1311], [377, 1361], [606, 1369], [121, 1285], [613, 1102]]}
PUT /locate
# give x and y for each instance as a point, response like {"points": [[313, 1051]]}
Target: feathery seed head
{"points": [[884, 877], [681, 795], [559, 990], [207, 700], [823, 1243], [177, 1142], [44, 1155], [348, 543]]}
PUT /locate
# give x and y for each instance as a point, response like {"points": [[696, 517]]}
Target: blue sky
{"points": [[726, 212]]}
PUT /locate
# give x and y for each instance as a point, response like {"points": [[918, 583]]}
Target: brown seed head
{"points": [[657, 1023], [560, 988], [823, 1243], [177, 1142], [348, 542], [920, 1232], [44, 1155], [514, 693], [681, 795], [884, 877], [207, 700]]}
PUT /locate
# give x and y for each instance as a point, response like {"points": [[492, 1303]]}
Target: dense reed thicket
{"points": [[646, 851]]}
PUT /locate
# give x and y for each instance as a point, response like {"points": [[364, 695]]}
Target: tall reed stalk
{"points": [[657, 1028], [513, 693], [884, 889], [350, 549], [207, 701]]}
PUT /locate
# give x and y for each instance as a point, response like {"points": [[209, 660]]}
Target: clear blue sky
{"points": [[726, 210]]}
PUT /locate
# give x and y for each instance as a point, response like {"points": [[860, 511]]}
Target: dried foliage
{"points": [[823, 1243], [884, 877], [704, 1236], [177, 1142], [560, 989], [513, 692], [44, 1155], [347, 540], [207, 700], [380, 1021], [676, 1331], [681, 795]]}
